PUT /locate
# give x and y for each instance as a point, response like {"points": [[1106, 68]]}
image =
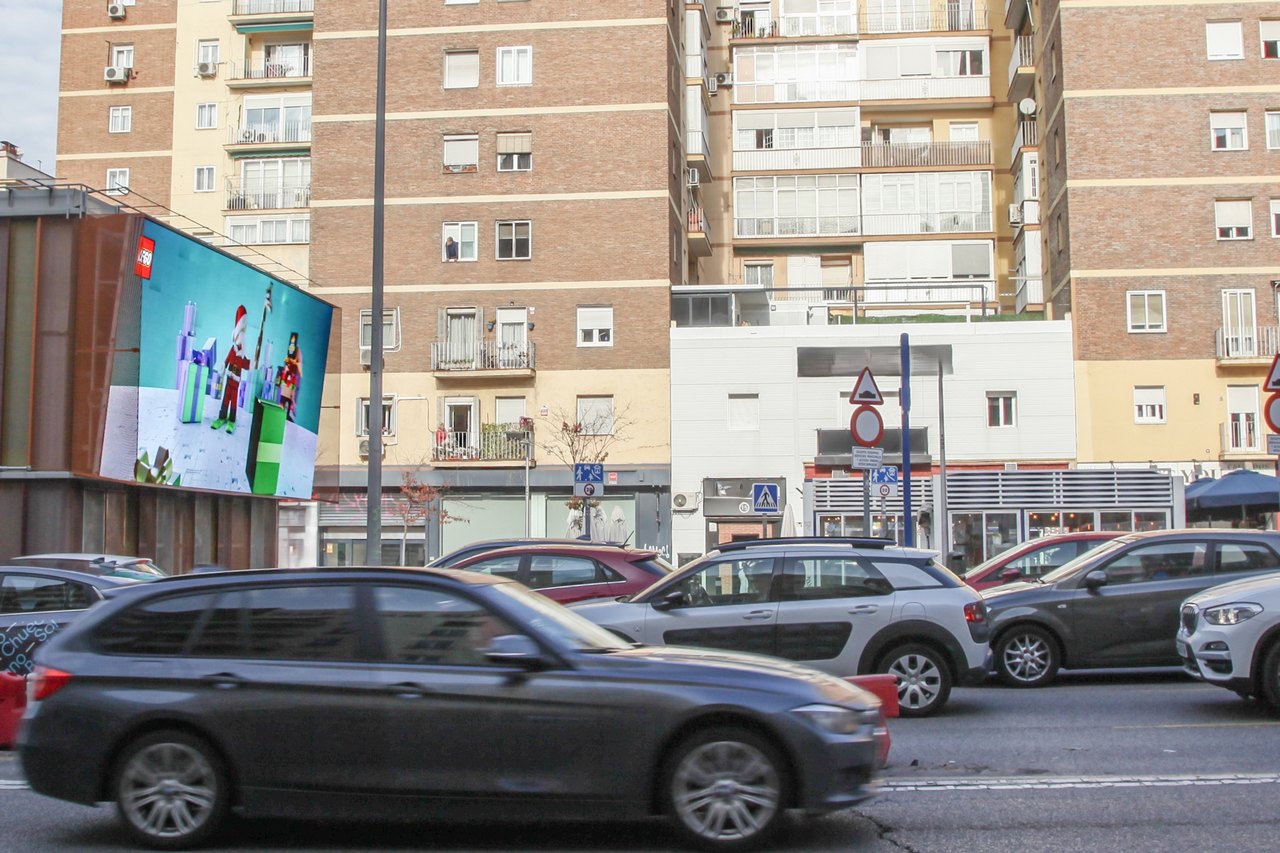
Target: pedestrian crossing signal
{"points": [[764, 497]]}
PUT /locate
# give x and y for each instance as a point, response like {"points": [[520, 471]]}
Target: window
{"points": [[1242, 418], [1234, 219], [117, 181], [1148, 404], [158, 627], [515, 66], [461, 69], [758, 273], [1270, 33], [1245, 557], [122, 55], [1228, 131], [515, 242], [1002, 408], [287, 59], [205, 176], [744, 411], [31, 594], [702, 309], [959, 63], [269, 230], [301, 623], [206, 116], [1224, 39], [595, 415], [551, 570], [500, 567], [1146, 310], [595, 326], [1275, 218], [741, 581], [207, 51], [815, 578], [458, 241], [120, 120], [964, 131], [1159, 562], [460, 2], [1273, 130], [515, 152], [390, 328], [276, 118], [272, 183], [431, 627], [388, 416], [462, 153]]}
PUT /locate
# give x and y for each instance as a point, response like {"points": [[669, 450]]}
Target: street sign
{"points": [[1271, 412], [885, 474], [887, 490], [865, 391], [588, 472], [1273, 376], [868, 457], [588, 490], [866, 426], [764, 498], [1273, 445]]}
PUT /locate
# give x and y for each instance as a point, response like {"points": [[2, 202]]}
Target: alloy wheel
{"points": [[168, 791], [726, 791], [919, 680], [1027, 657]]}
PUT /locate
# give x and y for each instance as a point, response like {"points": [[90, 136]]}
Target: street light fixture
{"points": [[527, 437]]}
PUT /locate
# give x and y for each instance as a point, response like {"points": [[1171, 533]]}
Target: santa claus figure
{"points": [[235, 363], [290, 376]]}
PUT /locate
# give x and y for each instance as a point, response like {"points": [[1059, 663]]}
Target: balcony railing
{"points": [[271, 70], [695, 145], [795, 92], [1023, 55], [889, 154], [796, 226], [449, 356], [1240, 434], [791, 26], [926, 87], [490, 444], [882, 224], [1259, 342], [1030, 292], [955, 18], [695, 66], [974, 291], [253, 134], [1027, 135], [252, 195], [937, 222], [272, 7], [696, 219]]}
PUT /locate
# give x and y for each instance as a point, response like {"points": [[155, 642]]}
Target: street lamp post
{"points": [[527, 438]]}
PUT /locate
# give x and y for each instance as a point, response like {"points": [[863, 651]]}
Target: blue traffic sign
{"points": [[764, 497], [588, 472], [885, 475]]}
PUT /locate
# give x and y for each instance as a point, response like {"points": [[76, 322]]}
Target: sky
{"points": [[30, 41]]}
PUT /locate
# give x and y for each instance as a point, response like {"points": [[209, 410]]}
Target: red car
{"points": [[567, 573], [1035, 557]]}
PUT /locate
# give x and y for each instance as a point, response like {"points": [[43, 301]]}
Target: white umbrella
{"points": [[599, 523], [573, 524], [788, 526], [617, 526]]}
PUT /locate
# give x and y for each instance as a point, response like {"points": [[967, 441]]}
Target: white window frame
{"points": [[514, 225], [457, 230], [521, 71], [1242, 423], [208, 50], [1274, 40], [595, 325], [1149, 403], [122, 55], [117, 182], [1143, 325], [119, 119], [390, 330], [743, 417], [466, 147], [1232, 232], [591, 422], [1272, 125], [390, 403], [1006, 413], [514, 161], [1275, 217], [207, 110], [459, 81], [204, 179], [285, 229], [461, 2], [1225, 31], [758, 273], [1220, 131]]}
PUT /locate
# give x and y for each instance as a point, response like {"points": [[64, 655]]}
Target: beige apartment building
{"points": [[1160, 220]]}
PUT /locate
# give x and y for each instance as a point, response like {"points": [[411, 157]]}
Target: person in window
{"points": [[450, 249]]}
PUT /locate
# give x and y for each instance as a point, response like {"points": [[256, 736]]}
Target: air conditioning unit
{"points": [[724, 15], [115, 11], [724, 80], [364, 447], [684, 501], [116, 74], [694, 178], [1015, 214], [712, 86], [366, 356], [207, 69]]}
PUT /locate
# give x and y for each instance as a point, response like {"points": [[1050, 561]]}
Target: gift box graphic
{"points": [[193, 394], [266, 447]]}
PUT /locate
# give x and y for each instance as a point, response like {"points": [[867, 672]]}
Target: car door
{"points": [[728, 604], [830, 606], [1132, 619], [567, 577], [32, 609]]}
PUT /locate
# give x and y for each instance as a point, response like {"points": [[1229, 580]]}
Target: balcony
{"points": [[253, 195], [262, 74], [753, 26], [698, 233], [881, 155], [1026, 136], [1240, 435], [697, 153], [463, 359], [304, 8], [796, 226], [695, 67], [913, 89], [1248, 346], [1030, 292], [873, 297], [1022, 68], [796, 92], [467, 448], [927, 222], [286, 133], [955, 18]]}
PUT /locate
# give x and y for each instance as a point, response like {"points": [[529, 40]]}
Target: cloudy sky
{"points": [[29, 45]]}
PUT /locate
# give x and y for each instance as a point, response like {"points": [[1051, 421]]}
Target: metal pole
{"points": [[373, 527], [944, 528], [586, 518], [904, 396], [528, 458], [866, 503]]}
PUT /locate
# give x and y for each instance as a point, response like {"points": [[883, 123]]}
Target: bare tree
{"points": [[586, 441], [422, 502]]}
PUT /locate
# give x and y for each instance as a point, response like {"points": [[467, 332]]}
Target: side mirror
{"points": [[1009, 575], [514, 650], [673, 598], [1095, 579]]}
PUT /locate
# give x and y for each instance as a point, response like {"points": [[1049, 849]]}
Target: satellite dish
{"points": [[1027, 106]]}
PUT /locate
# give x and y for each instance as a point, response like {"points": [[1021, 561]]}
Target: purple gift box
{"points": [[182, 373], [189, 319]]}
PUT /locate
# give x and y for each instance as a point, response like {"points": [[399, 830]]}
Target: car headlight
{"points": [[1231, 614], [837, 720]]}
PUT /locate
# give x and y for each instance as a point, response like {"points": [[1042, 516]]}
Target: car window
{"points": [[507, 566], [812, 578], [1246, 557], [612, 575], [1045, 559], [1092, 556], [903, 575], [740, 581], [301, 622], [1159, 561], [427, 626], [223, 634], [158, 626], [551, 570], [31, 594]]}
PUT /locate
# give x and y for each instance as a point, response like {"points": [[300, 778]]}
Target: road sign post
{"points": [[588, 484]]}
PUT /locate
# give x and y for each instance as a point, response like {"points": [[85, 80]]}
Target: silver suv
{"points": [[844, 606], [1230, 636]]}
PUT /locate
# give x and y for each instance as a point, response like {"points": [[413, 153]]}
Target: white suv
{"points": [[844, 606], [1230, 636]]}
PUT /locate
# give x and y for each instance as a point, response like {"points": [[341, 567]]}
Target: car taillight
{"points": [[975, 611], [46, 681]]}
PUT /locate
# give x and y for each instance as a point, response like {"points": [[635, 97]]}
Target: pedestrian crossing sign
{"points": [[764, 497]]}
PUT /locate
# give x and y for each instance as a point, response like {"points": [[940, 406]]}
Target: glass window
{"points": [[301, 623], [1224, 39], [390, 328], [515, 66], [814, 578], [595, 415], [388, 416], [550, 570], [1270, 33], [462, 153], [205, 176], [122, 55], [740, 581], [515, 152], [1002, 408], [458, 241], [223, 633], [1159, 562], [983, 535], [207, 51], [1045, 559], [157, 627], [1273, 130], [206, 116], [1148, 405], [507, 566], [758, 274], [1228, 131], [117, 181], [1146, 310], [1115, 521], [905, 575], [435, 628], [461, 69], [1246, 557], [595, 326], [1275, 218], [515, 241], [744, 411], [120, 120], [31, 594]]}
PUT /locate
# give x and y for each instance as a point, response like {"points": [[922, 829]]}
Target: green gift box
{"points": [[193, 383], [266, 447]]}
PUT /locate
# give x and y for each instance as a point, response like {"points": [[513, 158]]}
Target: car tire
{"points": [[171, 790], [924, 678], [725, 789], [1027, 656], [1269, 678]]}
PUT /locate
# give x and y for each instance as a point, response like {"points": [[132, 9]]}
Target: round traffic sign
{"points": [[866, 426], [589, 489], [1271, 411]]}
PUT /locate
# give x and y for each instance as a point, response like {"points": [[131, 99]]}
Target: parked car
{"points": [[451, 559], [1117, 605], [1034, 558], [845, 606], [567, 573], [115, 565], [359, 693], [1229, 635]]}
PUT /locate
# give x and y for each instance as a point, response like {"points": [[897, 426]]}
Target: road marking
{"points": [[13, 785], [1069, 782], [1248, 725]]}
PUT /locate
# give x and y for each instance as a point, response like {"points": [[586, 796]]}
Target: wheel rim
{"points": [[725, 791], [168, 790], [919, 680], [1026, 657]]}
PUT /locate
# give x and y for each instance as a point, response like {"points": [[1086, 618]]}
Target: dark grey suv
{"points": [[373, 693], [1118, 605]]}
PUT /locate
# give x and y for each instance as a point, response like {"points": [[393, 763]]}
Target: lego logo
{"points": [[146, 254]]}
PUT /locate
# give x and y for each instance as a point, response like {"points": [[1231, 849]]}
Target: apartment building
{"points": [[1160, 221]]}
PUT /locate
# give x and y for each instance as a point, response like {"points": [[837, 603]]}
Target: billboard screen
{"points": [[231, 363]]}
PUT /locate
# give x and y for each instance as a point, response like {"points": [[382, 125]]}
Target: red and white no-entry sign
{"points": [[1271, 412], [866, 426]]}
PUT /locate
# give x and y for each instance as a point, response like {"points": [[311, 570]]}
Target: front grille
{"points": [[1189, 614]]}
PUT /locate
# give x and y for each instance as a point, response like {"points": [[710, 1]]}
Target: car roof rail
{"points": [[851, 541]]}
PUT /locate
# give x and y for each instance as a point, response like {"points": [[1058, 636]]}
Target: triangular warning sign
{"points": [[1273, 376], [866, 392]]}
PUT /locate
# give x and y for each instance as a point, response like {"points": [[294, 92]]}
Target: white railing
{"points": [[696, 220], [936, 222], [1240, 434], [252, 134], [1027, 135], [1023, 55], [796, 226], [695, 144], [252, 195], [818, 25], [695, 66], [1030, 292], [926, 87], [271, 70], [1030, 208], [768, 160], [450, 355], [272, 7], [796, 92], [880, 155], [950, 291], [955, 18], [1258, 342]]}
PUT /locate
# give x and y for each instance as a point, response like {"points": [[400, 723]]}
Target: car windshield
{"points": [[982, 567], [1070, 567], [656, 566], [546, 616]]}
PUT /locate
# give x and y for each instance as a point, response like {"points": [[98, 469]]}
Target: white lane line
{"points": [[13, 785], [1245, 725], [1080, 782]]}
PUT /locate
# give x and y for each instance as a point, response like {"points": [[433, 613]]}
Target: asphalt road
{"points": [[1118, 761]]}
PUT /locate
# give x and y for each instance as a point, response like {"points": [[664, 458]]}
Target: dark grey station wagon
{"points": [[421, 694]]}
